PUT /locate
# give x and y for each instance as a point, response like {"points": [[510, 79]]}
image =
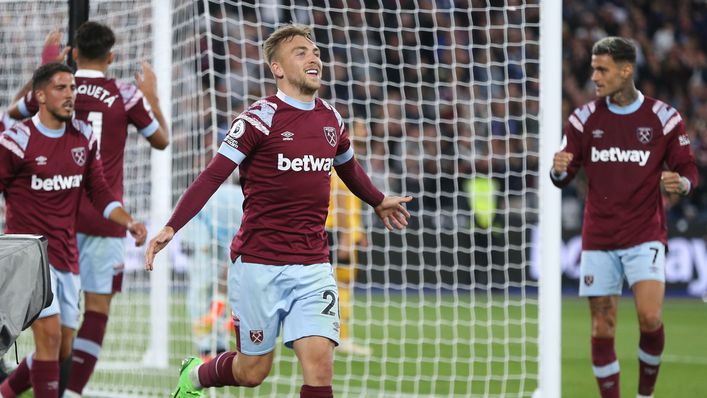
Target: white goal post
{"points": [[458, 106]]}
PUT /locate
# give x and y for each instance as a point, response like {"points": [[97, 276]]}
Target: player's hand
{"points": [[138, 231], [156, 244], [52, 51], [561, 162], [392, 212], [147, 82], [673, 183]]}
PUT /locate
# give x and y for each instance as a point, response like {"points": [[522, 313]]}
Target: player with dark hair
{"points": [[45, 165], [110, 106], [285, 146], [629, 145]]}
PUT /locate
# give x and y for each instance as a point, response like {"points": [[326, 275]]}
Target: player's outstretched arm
{"points": [[147, 83], [156, 244], [392, 212], [191, 202]]}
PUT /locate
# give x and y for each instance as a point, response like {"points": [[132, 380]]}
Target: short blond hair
{"points": [[284, 33]]}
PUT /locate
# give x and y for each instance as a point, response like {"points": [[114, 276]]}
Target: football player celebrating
{"points": [[624, 140], [285, 146]]}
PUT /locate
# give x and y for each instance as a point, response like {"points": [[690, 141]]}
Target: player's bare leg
{"points": [[42, 370], [649, 296], [251, 370], [227, 369], [316, 357], [88, 342], [605, 364]]}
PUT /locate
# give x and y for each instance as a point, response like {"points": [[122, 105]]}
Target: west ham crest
{"points": [[79, 155], [256, 336], [588, 280], [330, 134], [644, 134]]}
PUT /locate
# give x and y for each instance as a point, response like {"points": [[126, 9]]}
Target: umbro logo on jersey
{"points": [[287, 136], [41, 160], [330, 134], [618, 155], [644, 134], [79, 155], [56, 183], [597, 133]]}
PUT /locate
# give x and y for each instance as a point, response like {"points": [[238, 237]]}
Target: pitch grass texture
{"points": [[452, 343]]}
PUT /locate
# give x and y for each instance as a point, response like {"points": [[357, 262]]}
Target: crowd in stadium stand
{"points": [[672, 66], [444, 104], [450, 106]]}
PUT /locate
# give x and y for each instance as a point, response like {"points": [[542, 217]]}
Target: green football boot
{"points": [[185, 388]]}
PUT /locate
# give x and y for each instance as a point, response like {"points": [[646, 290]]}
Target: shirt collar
{"points": [[90, 73], [628, 109], [305, 106], [46, 130]]}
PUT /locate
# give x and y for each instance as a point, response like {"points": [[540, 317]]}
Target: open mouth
{"points": [[312, 72]]}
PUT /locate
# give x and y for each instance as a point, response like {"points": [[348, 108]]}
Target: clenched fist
{"points": [[673, 183], [560, 162]]}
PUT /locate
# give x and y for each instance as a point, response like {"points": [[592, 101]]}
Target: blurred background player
{"points": [[346, 237], [45, 163], [629, 145], [110, 106]]}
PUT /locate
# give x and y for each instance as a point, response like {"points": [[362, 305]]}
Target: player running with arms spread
{"points": [[624, 141], [286, 146], [45, 164]]}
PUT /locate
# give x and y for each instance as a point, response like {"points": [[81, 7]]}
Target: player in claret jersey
{"points": [[45, 164], [109, 106], [628, 145], [286, 146]]}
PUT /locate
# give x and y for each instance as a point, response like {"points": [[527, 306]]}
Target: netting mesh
{"points": [[443, 97]]}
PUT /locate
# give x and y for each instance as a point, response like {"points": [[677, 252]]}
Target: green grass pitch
{"points": [[461, 340]]}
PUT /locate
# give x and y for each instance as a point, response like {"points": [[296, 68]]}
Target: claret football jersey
{"points": [[109, 105], [623, 151], [286, 150], [42, 175]]}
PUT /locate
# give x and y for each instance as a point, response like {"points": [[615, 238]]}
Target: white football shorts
{"points": [[302, 298], [602, 272], [65, 287], [101, 263]]}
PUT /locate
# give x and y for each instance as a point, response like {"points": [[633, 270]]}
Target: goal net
{"points": [[444, 103]]}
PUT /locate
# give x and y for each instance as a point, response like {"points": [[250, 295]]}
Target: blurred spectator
{"points": [[425, 74]]}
